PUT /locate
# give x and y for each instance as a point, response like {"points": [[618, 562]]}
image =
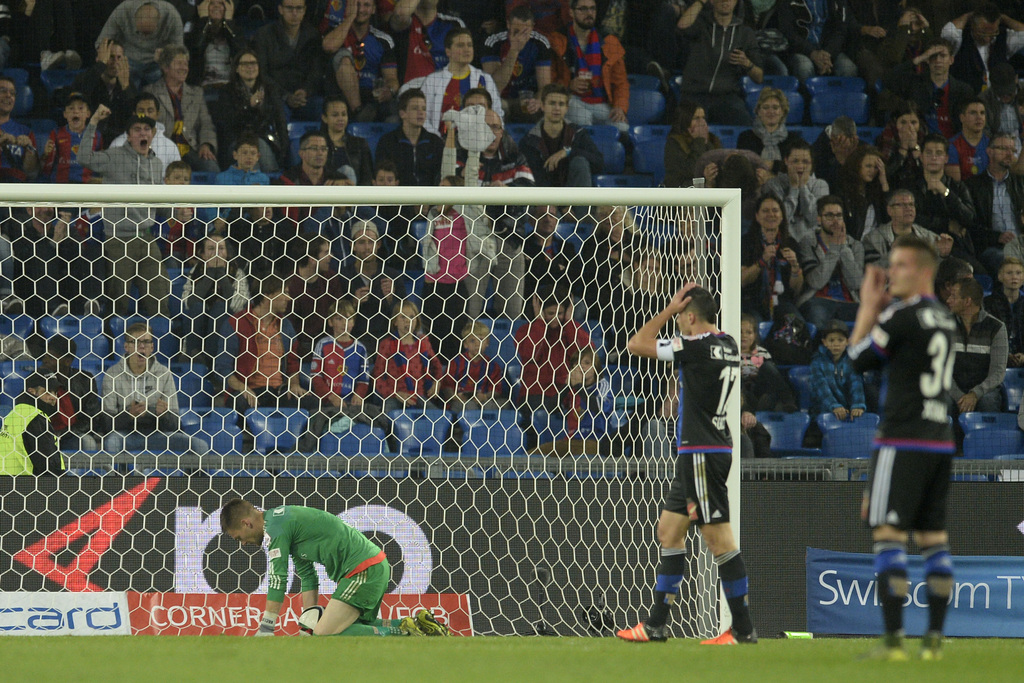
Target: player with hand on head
{"points": [[358, 566], [911, 466], [707, 363]]}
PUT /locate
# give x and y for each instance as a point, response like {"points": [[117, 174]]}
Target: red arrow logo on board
{"points": [[104, 524]]}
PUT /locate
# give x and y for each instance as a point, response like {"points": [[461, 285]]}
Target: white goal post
{"points": [[717, 211]]}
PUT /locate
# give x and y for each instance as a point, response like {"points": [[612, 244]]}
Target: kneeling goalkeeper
{"points": [[358, 566]]}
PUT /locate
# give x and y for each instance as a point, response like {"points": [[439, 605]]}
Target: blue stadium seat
{"points": [[820, 85], [17, 325], [993, 441], [11, 387], [193, 392], [645, 106], [55, 79], [727, 134], [763, 328], [985, 281], [869, 134], [603, 132], [623, 181], [783, 83], [41, 128], [93, 366], [24, 104], [491, 433], [846, 438], [974, 421], [203, 177], [370, 129], [297, 129], [643, 82], [1013, 386], [372, 132], [825, 108], [19, 76], [808, 133], [167, 343], [649, 131], [275, 428], [614, 155], [787, 431], [547, 426], [421, 433], [573, 233], [360, 440], [649, 158], [796, 105], [85, 331], [800, 379], [518, 131], [220, 429]]}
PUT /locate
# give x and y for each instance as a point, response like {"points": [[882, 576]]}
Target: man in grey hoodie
{"points": [[722, 51], [130, 245]]}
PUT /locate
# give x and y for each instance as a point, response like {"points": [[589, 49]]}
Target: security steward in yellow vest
{"points": [[27, 444]]}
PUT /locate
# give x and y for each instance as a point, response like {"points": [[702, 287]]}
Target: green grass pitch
{"points": [[435, 660]]}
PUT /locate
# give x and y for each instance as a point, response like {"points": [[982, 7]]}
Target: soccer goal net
{"points": [[444, 368]]}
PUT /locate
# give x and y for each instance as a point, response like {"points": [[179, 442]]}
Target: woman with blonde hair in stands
{"points": [[769, 136]]}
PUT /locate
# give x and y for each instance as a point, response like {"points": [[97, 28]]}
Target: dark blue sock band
{"points": [[937, 560]]}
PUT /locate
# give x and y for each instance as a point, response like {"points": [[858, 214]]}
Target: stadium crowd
{"points": [[352, 315]]}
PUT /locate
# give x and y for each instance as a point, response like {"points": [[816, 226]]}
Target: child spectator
{"points": [[835, 386], [1006, 304], [340, 370], [545, 347], [246, 170], [27, 445], [406, 372], [446, 254], [762, 385], [78, 416], [175, 234], [580, 405], [215, 287], [60, 156], [474, 381]]}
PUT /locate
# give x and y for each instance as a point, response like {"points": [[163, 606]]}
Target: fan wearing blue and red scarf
{"points": [[406, 370], [474, 380], [593, 68]]}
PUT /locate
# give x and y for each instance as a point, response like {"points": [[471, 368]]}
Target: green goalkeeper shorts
{"points": [[365, 590]]}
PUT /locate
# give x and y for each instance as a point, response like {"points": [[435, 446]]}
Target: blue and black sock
{"points": [[938, 573], [671, 570], [733, 574], [891, 567]]}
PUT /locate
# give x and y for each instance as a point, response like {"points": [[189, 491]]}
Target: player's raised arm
{"points": [[645, 342], [873, 300]]}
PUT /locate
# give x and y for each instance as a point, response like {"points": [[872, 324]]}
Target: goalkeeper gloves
{"points": [[267, 625], [310, 616]]}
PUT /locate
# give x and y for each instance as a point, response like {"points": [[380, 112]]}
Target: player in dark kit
{"points": [[913, 337], [707, 363]]}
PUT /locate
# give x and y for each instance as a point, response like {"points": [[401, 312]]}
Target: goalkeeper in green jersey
{"points": [[358, 566]]}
